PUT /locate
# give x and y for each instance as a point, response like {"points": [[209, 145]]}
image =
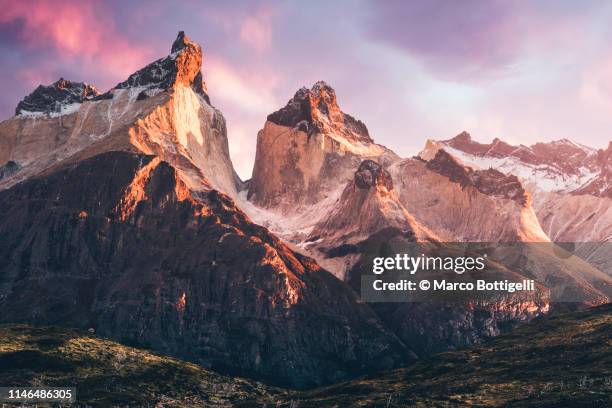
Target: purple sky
{"points": [[411, 70]]}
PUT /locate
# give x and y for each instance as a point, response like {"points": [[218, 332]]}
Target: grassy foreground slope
{"points": [[106, 373], [564, 361]]}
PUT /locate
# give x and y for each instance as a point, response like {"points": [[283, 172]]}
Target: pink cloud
{"points": [[246, 90], [256, 31], [78, 30]]}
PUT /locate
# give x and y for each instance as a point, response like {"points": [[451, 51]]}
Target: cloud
{"points": [[256, 31], [244, 91], [82, 32], [246, 98], [471, 38]]}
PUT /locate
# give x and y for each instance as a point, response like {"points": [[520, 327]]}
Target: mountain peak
{"points": [[181, 42], [182, 67], [316, 110], [52, 98], [463, 137]]}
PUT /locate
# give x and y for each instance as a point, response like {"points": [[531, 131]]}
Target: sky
{"points": [[521, 71]]}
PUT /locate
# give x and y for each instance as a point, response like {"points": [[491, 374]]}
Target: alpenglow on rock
{"points": [[182, 66], [316, 110], [162, 109], [308, 149]]}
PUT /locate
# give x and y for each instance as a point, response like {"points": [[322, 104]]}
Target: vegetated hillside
{"points": [[562, 361], [107, 374]]}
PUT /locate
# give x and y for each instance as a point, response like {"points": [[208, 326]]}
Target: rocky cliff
{"points": [[119, 243], [307, 149], [462, 205]]}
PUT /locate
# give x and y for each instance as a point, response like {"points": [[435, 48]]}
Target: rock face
{"points": [[161, 109], [118, 242], [368, 209], [462, 205], [490, 182], [9, 169], [56, 97], [308, 149]]}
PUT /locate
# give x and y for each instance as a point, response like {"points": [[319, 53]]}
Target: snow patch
{"points": [[544, 177], [64, 110]]}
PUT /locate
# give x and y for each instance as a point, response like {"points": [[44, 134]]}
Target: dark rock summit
{"points": [[181, 42], [370, 174], [143, 260], [316, 110], [490, 182], [51, 98], [182, 66]]}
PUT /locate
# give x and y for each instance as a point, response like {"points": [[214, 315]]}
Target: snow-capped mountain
{"points": [[570, 186], [162, 109], [561, 166], [59, 98]]}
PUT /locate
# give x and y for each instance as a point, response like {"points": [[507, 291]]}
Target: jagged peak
{"points": [[53, 98], [315, 110], [372, 174], [182, 67], [181, 42]]}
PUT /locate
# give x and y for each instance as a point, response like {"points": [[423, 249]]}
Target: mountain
{"points": [[119, 243], [370, 220], [568, 184], [123, 213], [307, 149], [561, 166], [162, 109], [119, 216], [376, 208], [56, 99], [367, 209]]}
